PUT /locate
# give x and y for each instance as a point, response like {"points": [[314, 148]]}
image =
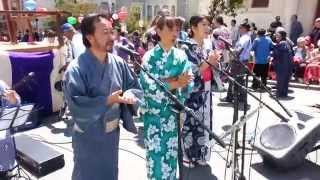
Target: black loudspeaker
{"points": [[36, 157], [285, 145]]}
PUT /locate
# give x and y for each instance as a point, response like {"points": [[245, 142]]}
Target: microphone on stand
{"points": [[23, 81], [188, 43], [234, 52], [126, 49], [225, 41]]}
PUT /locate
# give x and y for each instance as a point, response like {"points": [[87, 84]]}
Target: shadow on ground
{"points": [[199, 173], [307, 171]]}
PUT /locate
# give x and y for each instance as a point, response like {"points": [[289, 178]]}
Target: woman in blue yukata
{"points": [[170, 65], [200, 100]]}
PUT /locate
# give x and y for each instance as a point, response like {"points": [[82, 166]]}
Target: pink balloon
{"points": [[41, 9]]}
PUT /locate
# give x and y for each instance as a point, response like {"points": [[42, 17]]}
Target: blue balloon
{"points": [[30, 5]]}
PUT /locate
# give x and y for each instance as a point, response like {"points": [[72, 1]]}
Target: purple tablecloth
{"points": [[38, 91]]}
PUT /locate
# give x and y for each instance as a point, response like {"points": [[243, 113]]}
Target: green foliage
{"points": [[227, 7], [76, 9], [49, 23], [133, 19]]}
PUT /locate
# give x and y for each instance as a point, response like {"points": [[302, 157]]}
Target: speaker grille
{"points": [[277, 137]]}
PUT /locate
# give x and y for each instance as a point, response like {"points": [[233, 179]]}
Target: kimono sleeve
{"points": [[186, 66], [132, 85], [84, 108]]}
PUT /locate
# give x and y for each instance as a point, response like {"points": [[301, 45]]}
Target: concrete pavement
{"points": [[132, 153]]}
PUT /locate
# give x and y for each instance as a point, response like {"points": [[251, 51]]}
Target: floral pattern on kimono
{"points": [[160, 122]]}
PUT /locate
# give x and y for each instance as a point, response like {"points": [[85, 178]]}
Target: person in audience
{"points": [[261, 47], [300, 57], [282, 61]]}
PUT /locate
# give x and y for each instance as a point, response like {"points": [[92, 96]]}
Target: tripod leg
{"points": [[242, 177], [180, 153]]}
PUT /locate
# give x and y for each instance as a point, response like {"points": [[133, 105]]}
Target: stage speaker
{"points": [[36, 157], [285, 145]]}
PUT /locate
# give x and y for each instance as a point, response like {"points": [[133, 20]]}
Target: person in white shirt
{"points": [[74, 42], [243, 47], [234, 32]]}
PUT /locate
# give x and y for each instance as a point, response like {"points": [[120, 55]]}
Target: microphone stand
{"points": [[243, 148], [180, 107], [238, 86], [236, 103], [258, 80]]}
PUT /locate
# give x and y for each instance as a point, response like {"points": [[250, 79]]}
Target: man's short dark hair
{"points": [[283, 35], [245, 26], [234, 21], [261, 32], [88, 26], [295, 16], [219, 19]]}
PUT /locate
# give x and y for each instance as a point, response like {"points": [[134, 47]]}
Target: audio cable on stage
{"points": [[254, 136], [58, 144]]}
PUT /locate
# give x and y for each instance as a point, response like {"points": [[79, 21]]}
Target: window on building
{"points": [[14, 5], [165, 7], [156, 10], [149, 12], [260, 3], [113, 7], [173, 11]]}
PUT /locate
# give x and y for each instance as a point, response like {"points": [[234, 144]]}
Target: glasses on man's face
{"points": [[109, 31]]}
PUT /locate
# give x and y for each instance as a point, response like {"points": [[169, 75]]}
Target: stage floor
{"points": [[132, 154]]}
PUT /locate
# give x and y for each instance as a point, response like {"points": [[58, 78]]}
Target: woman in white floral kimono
{"points": [[170, 65]]}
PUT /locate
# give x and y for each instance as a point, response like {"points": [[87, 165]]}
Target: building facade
{"points": [[263, 12]]}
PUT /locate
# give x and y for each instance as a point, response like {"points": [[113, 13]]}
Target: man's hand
{"points": [[11, 96], [184, 79], [117, 97]]}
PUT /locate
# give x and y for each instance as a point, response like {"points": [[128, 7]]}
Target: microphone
{"points": [[24, 80], [31, 74], [226, 42], [188, 43], [126, 49]]}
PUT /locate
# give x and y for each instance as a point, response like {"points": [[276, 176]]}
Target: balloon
{"points": [[72, 20], [30, 5], [80, 18], [123, 13], [115, 16], [42, 9]]}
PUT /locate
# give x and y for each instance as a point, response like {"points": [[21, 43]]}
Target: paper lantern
{"points": [[123, 13], [29, 5], [72, 20]]}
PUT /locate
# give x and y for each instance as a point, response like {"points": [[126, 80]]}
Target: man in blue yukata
{"points": [[100, 90]]}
